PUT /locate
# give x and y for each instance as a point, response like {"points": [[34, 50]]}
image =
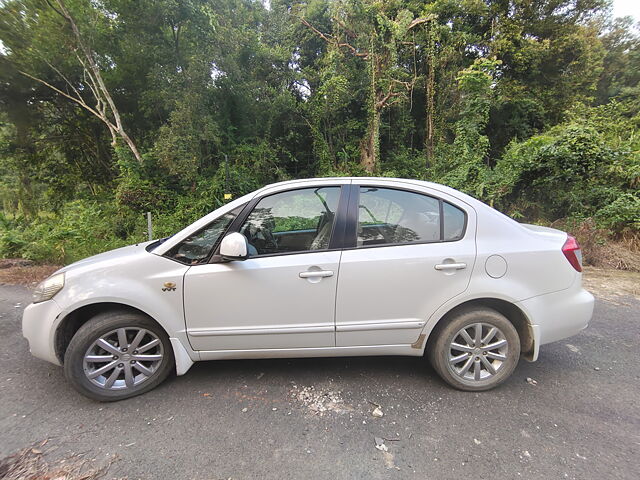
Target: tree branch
{"points": [[97, 85], [63, 77], [79, 101], [331, 39]]}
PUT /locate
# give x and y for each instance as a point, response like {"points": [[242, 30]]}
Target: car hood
{"points": [[112, 257]]}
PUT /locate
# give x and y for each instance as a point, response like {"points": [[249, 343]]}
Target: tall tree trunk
{"points": [[429, 134], [430, 92], [130, 143], [369, 146]]}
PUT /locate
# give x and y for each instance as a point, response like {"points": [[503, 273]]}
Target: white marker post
{"points": [[149, 226]]}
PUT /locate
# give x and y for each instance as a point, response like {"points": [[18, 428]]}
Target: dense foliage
{"points": [[112, 108]]}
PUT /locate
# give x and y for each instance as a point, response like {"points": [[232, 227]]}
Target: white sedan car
{"points": [[316, 268]]}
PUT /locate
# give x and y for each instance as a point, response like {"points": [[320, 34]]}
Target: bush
{"points": [[572, 170], [80, 229], [621, 214]]}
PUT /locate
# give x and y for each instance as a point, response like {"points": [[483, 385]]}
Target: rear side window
{"points": [[390, 216], [454, 221]]}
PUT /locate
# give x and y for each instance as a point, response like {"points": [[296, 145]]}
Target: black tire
{"points": [[439, 350], [94, 329]]}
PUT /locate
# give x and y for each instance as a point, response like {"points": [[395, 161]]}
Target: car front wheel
{"points": [[477, 349], [117, 355]]}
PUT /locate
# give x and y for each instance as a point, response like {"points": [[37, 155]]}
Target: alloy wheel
{"points": [[123, 358], [477, 352]]}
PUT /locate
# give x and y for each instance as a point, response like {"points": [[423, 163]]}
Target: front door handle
{"points": [[316, 274], [450, 266]]}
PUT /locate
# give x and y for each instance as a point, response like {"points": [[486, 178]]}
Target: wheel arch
{"points": [[72, 321], [512, 312]]}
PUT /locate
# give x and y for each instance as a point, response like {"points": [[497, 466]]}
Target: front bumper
{"points": [[38, 327]]}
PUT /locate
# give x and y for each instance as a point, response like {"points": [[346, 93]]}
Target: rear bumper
{"points": [[37, 327], [558, 315]]}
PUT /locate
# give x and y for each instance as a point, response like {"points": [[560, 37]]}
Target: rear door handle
{"points": [[316, 274], [450, 266]]}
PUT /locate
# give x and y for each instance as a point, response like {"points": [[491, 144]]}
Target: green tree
{"points": [[375, 32]]}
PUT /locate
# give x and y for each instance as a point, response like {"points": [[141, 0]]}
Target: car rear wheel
{"points": [[117, 355], [475, 350]]}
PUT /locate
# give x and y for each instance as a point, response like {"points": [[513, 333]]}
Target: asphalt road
{"points": [[257, 419]]}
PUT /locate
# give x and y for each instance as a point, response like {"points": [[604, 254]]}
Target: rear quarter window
{"points": [[454, 222]]}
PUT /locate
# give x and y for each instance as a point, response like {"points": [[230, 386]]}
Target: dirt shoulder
{"points": [[608, 283], [23, 272]]}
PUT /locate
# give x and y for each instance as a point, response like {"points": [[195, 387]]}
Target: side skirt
{"points": [[362, 351]]}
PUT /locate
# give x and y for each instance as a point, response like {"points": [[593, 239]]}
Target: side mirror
{"points": [[234, 247]]}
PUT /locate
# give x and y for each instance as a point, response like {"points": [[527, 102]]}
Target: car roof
{"points": [[373, 180], [298, 181]]}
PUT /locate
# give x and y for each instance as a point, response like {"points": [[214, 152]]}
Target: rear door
{"points": [[410, 252]]}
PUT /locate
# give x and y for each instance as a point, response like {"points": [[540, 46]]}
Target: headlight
{"points": [[48, 288]]}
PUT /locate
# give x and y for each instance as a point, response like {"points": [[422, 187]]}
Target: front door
{"points": [[283, 295], [413, 252]]}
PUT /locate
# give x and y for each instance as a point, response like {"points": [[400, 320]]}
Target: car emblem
{"points": [[169, 287]]}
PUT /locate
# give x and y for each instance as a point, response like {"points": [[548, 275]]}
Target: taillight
{"points": [[571, 250]]}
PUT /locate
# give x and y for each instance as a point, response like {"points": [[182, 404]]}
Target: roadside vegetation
{"points": [[112, 108]]}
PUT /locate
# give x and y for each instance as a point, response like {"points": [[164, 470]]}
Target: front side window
{"points": [[292, 221], [389, 216], [196, 248]]}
